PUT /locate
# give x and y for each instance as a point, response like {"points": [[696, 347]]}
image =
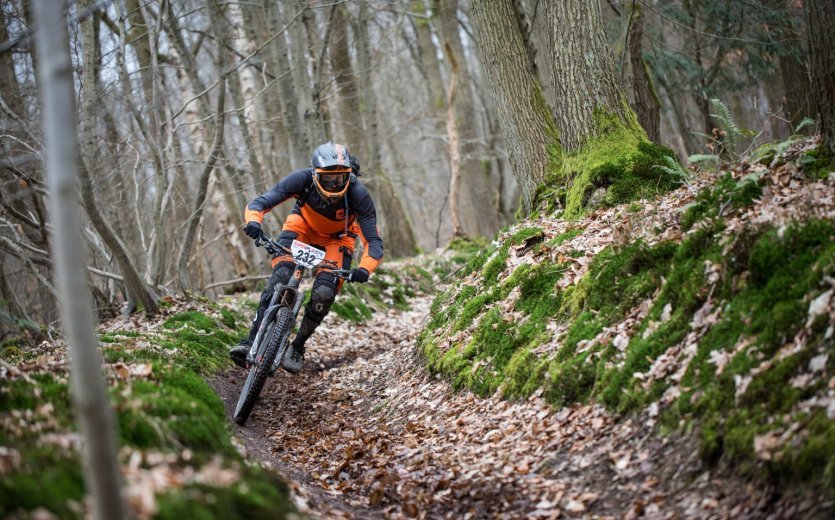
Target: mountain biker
{"points": [[332, 208]]}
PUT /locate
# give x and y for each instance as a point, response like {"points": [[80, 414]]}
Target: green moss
{"points": [[767, 310], [170, 410], [564, 237], [200, 342], [619, 160], [816, 163], [467, 245], [351, 308], [727, 195], [495, 266], [20, 395], [259, 494], [499, 350], [620, 278], [755, 290], [47, 478]]}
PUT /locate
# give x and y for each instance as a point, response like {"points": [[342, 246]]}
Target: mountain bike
{"points": [[273, 337]]}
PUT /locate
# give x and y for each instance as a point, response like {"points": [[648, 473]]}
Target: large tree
{"points": [[528, 128], [821, 14], [602, 154]]}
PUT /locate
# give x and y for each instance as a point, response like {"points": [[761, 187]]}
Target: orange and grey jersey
{"points": [[354, 213]]}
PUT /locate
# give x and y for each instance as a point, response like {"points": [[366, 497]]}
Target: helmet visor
{"points": [[333, 181]]}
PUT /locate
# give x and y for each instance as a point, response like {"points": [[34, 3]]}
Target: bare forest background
{"points": [[187, 109]]}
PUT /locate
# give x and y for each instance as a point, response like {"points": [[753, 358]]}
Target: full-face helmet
{"points": [[332, 170]]}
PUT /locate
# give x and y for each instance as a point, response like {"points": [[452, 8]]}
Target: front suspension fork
{"points": [[279, 299]]}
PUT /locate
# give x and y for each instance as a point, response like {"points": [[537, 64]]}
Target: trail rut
{"points": [[364, 432]]}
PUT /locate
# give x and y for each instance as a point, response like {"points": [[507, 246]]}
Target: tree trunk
{"points": [[202, 188], [526, 31], [478, 210], [795, 101], [584, 73], [399, 235], [820, 15], [89, 124], [339, 50], [607, 158], [428, 53], [454, 149], [313, 119], [89, 393], [647, 106], [288, 96], [527, 126]]}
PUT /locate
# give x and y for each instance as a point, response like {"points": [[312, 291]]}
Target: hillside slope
{"points": [[709, 310]]}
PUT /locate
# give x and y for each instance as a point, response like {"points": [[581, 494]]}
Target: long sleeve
{"points": [[291, 186], [369, 233]]}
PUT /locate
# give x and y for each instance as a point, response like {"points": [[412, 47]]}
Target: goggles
{"points": [[333, 179]]}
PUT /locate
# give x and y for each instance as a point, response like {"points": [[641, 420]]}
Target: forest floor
{"points": [[373, 427], [365, 432]]}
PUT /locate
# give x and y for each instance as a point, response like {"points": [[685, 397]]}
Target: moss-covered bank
{"points": [[170, 422], [717, 331]]}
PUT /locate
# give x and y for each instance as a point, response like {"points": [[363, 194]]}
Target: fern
{"points": [[733, 134], [703, 158], [673, 168], [807, 121]]}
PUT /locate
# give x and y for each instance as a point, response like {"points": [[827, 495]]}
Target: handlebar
{"points": [[274, 248]]}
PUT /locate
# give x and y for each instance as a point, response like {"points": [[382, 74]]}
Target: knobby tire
{"points": [[275, 339]]}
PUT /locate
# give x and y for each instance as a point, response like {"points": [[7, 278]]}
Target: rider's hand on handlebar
{"points": [[253, 230], [359, 275]]}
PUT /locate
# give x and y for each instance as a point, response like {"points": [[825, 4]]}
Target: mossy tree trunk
{"points": [[583, 72], [607, 158], [530, 133], [820, 14]]}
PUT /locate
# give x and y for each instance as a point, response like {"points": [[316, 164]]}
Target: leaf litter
{"points": [[364, 432]]}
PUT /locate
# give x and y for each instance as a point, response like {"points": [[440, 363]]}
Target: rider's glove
{"points": [[253, 230], [358, 275]]}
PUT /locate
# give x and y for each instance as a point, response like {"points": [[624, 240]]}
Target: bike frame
{"points": [[281, 294]]}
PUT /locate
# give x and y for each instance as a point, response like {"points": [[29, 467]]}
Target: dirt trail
{"points": [[364, 432]]}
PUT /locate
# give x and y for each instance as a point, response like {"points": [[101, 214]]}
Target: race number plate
{"points": [[305, 255]]}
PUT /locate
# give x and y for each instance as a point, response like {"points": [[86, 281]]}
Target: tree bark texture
{"points": [[820, 15], [528, 128], [647, 106], [583, 71], [428, 53], [288, 96], [61, 140]]}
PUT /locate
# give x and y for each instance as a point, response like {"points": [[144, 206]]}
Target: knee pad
{"points": [[281, 275], [321, 298]]}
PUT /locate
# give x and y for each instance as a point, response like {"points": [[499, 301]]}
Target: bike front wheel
{"points": [[274, 345]]}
